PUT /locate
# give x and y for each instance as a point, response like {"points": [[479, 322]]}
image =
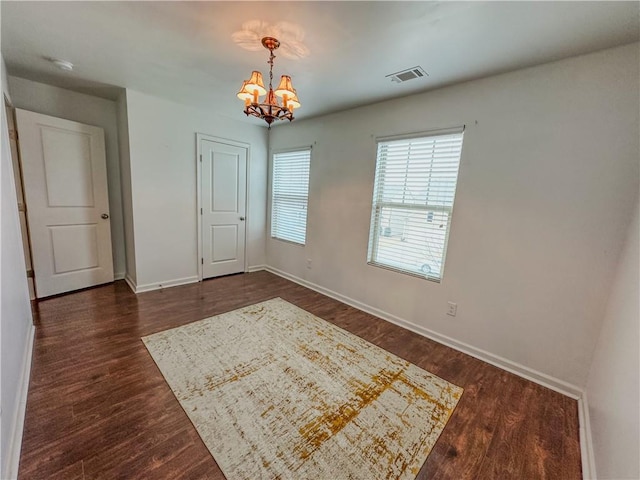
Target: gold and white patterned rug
{"points": [[277, 393]]}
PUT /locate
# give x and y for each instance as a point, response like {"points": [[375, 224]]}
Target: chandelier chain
{"points": [[271, 58]]}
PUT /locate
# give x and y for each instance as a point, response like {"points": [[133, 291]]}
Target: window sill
{"points": [[405, 272]]}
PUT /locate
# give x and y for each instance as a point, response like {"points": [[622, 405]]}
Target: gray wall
{"points": [[15, 307], [613, 389], [162, 149], [548, 177], [127, 195]]}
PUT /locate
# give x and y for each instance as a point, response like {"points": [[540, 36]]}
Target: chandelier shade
{"points": [[293, 102], [269, 109], [244, 94], [255, 83], [285, 87]]}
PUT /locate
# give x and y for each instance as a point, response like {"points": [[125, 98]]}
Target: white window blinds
{"points": [[415, 184], [289, 195]]}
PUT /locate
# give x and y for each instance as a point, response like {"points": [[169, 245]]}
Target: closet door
{"points": [[223, 190]]}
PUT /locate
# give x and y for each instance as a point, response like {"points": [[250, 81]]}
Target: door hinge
{"points": [[200, 210], [13, 134], [200, 157], [30, 274], [202, 261]]}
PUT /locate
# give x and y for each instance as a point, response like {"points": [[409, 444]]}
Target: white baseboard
{"points": [[586, 440], [13, 456], [560, 386], [530, 374], [172, 283], [118, 276], [169, 283], [130, 282]]}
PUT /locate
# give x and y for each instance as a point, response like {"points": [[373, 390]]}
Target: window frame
{"points": [[305, 148], [378, 205]]}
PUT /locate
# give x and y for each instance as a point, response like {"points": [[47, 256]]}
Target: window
{"points": [[413, 196], [289, 195]]}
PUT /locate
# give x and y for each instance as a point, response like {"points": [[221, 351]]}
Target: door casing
{"points": [[227, 141]]}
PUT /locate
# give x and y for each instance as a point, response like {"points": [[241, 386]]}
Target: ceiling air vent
{"points": [[408, 74]]}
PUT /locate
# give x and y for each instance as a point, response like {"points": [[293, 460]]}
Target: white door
{"points": [[223, 201], [65, 185]]}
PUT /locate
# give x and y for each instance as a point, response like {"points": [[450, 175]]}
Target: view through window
{"points": [[415, 185]]}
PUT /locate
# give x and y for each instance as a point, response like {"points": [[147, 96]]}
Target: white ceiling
{"points": [[184, 50]]}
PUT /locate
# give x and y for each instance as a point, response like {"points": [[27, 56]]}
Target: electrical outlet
{"points": [[309, 263], [453, 308]]}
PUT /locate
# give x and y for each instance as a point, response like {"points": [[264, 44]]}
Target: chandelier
{"points": [[269, 109]]}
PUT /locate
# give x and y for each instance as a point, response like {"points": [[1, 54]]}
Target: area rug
{"points": [[278, 393]]}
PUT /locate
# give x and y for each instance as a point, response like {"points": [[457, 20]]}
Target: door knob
{"points": [[242, 219], [105, 215]]}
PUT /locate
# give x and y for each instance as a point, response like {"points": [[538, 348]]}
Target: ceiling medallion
{"points": [[290, 35], [270, 109]]}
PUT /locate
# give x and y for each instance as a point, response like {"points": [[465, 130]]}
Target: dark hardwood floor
{"points": [[98, 407]]}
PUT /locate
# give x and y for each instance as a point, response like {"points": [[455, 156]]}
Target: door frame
{"points": [[234, 143], [16, 163]]}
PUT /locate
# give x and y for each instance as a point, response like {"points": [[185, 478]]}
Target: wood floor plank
{"points": [[572, 464], [465, 440], [99, 408]]}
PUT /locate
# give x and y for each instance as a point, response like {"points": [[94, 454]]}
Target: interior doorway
{"points": [[64, 176]]}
